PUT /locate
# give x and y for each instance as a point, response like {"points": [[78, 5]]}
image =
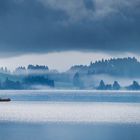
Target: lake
{"points": [[70, 115]]}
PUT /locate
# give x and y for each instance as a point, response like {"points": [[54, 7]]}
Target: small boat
{"points": [[5, 99]]}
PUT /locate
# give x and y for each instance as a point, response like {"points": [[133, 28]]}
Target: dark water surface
{"points": [[19, 131]]}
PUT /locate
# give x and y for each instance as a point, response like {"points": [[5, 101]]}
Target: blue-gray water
{"points": [[121, 120], [73, 95], [18, 131]]}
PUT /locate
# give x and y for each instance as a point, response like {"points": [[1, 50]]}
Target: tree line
{"points": [[116, 86], [121, 67], [27, 82]]}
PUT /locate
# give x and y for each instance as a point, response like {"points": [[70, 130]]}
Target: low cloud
{"points": [[43, 26]]}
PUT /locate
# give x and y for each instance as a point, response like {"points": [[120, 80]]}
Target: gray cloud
{"points": [[28, 26], [89, 5]]}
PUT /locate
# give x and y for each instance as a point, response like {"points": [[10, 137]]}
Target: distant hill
{"points": [[123, 67], [112, 74]]}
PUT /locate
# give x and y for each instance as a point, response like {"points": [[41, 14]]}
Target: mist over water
{"points": [[108, 79]]}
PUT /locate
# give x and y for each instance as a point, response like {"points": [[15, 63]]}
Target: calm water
{"points": [[73, 95], [70, 115]]}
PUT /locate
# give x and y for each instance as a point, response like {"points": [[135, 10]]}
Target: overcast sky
{"points": [[52, 29]]}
